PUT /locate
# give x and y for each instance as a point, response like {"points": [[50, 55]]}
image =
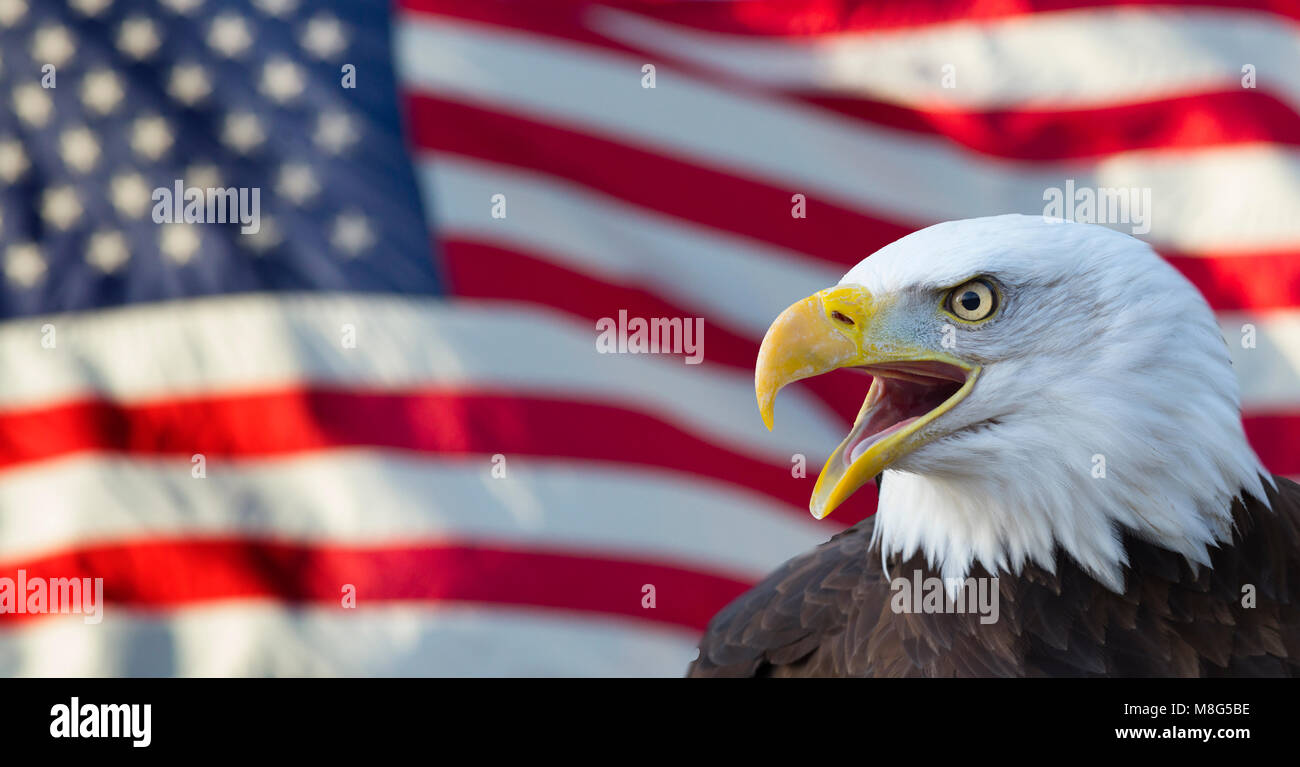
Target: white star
{"points": [[53, 45], [335, 132], [101, 90], [276, 8], [90, 7], [182, 6], [33, 104], [352, 234], [323, 36], [24, 264], [131, 195], [179, 241], [229, 35], [282, 80], [61, 207], [204, 176], [150, 137], [267, 237], [79, 149], [297, 183], [11, 11], [243, 132], [107, 251], [138, 37], [189, 84], [13, 160]]}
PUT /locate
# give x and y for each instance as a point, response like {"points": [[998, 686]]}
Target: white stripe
{"points": [[376, 498], [264, 639], [258, 341], [1236, 198], [255, 341], [1265, 350], [1071, 59], [745, 282]]}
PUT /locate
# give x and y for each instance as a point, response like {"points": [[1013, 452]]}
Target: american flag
{"points": [[379, 436]]}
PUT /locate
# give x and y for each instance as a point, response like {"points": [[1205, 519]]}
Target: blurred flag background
{"points": [[378, 437]]}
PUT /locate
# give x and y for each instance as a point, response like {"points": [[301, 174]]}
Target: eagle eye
{"points": [[972, 301]]}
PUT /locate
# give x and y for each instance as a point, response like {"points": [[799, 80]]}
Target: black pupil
{"points": [[970, 300]]}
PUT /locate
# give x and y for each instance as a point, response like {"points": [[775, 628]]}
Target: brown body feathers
{"points": [[828, 613]]}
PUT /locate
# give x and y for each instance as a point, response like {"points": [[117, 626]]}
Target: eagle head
{"points": [[1035, 385]]}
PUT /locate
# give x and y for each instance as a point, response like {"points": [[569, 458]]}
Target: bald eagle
{"points": [[1052, 409]]}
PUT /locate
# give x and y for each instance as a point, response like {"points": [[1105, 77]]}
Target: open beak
{"points": [[912, 384]]}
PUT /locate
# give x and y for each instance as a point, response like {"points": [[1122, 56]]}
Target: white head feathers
{"points": [[1107, 403]]}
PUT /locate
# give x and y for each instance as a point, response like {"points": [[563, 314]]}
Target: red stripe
{"points": [[1243, 282], [1183, 122], [558, 18], [448, 422], [753, 208], [451, 423], [812, 18], [1188, 122], [804, 18], [1276, 439], [480, 270], [721, 199], [165, 574]]}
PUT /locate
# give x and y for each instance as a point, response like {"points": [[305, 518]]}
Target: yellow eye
{"points": [[973, 301]]}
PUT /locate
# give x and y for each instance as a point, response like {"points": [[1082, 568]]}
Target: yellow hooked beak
{"points": [[912, 384]]}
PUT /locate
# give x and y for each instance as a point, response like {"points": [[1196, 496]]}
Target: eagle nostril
{"points": [[841, 317]]}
